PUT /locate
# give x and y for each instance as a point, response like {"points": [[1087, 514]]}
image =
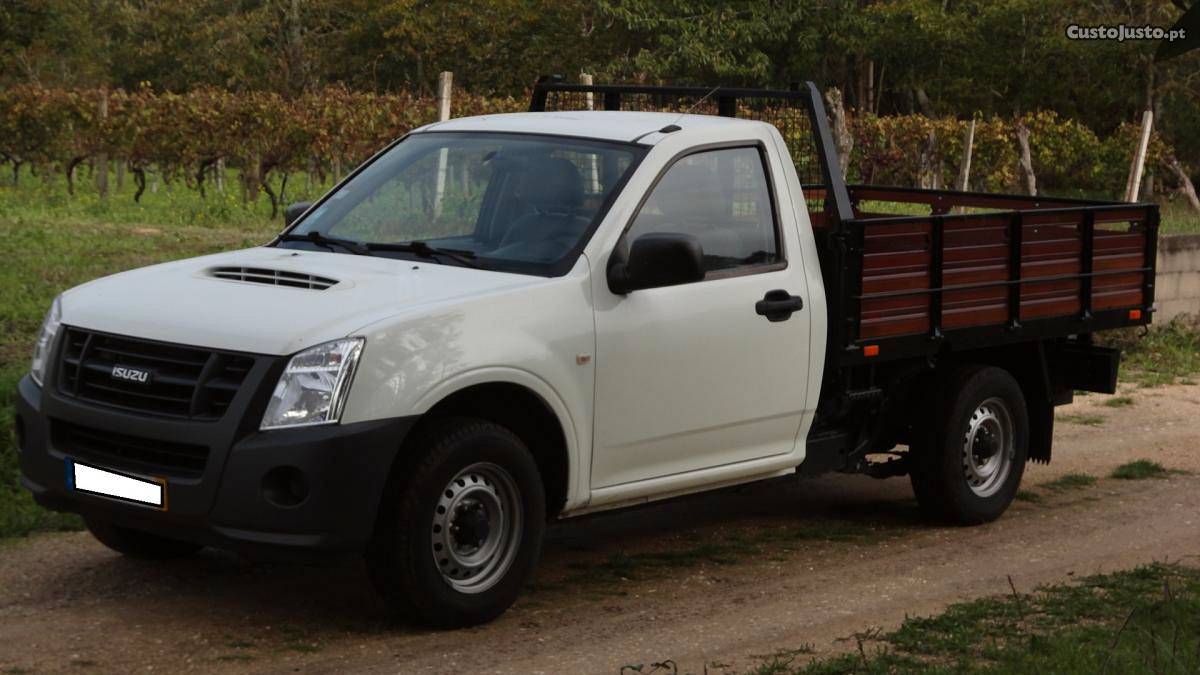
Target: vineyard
{"points": [[196, 138]]}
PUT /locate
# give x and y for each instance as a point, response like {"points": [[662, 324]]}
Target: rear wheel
{"points": [[461, 527], [969, 459], [138, 544]]}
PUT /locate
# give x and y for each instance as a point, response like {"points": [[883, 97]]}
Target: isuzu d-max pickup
{"points": [[500, 321]]}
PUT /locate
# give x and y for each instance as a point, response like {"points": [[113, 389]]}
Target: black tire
{"points": [[138, 544], [401, 558], [945, 477]]}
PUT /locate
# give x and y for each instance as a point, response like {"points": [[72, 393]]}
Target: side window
{"points": [[722, 198]]}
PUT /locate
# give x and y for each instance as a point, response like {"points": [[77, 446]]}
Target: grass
{"points": [[1084, 419], [1159, 355], [1070, 481], [1119, 402], [53, 243], [1138, 621], [1028, 496], [1140, 470], [1179, 218]]}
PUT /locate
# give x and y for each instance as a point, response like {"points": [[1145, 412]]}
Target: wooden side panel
{"points": [[1072, 261]]}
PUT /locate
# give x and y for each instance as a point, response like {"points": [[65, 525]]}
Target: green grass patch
{"points": [[1070, 481], [1159, 355], [1119, 402], [1083, 419], [1138, 621], [1140, 470], [1028, 496], [46, 253], [304, 647], [1178, 218]]}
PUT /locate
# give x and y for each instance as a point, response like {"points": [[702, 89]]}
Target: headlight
{"points": [[45, 341], [313, 388]]}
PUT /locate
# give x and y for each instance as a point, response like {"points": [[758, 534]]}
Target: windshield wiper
{"points": [[420, 248], [319, 239]]}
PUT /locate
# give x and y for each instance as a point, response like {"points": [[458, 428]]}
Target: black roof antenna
{"points": [[674, 126]]}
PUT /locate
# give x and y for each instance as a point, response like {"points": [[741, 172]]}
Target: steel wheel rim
{"points": [[477, 526], [988, 448]]}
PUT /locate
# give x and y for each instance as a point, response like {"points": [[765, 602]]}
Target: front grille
{"points": [[184, 382], [261, 275], [120, 451]]}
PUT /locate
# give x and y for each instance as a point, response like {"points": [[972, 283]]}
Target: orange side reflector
{"points": [[1135, 314], [871, 350]]}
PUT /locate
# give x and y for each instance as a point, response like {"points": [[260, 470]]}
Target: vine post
{"points": [[593, 168], [102, 157], [1134, 184], [445, 81]]}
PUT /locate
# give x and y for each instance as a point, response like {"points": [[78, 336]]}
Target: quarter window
{"points": [[722, 198]]}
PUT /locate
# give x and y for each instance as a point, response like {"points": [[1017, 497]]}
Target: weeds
{"points": [[1159, 355], [1119, 402], [1140, 470], [1070, 481], [1138, 621], [1083, 419], [1028, 496]]}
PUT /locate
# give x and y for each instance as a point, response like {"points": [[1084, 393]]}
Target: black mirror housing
{"points": [[294, 211], [656, 259]]}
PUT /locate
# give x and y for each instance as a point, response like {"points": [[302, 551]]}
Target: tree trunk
{"points": [[1185, 182], [71, 166], [139, 179], [283, 189], [200, 178], [927, 173], [843, 141], [1026, 162], [266, 186], [102, 159]]}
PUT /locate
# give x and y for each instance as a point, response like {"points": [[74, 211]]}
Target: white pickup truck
{"points": [[503, 320]]}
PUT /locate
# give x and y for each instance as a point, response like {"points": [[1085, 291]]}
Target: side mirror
{"points": [[656, 259], [294, 211]]}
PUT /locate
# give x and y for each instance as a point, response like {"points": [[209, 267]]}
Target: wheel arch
{"points": [[538, 418], [1028, 364]]}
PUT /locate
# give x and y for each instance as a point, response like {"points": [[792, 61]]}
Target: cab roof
{"points": [[599, 124]]}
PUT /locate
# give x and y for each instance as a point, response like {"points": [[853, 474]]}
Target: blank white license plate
{"points": [[96, 481]]}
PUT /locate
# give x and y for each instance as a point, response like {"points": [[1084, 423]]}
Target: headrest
{"points": [[551, 184]]}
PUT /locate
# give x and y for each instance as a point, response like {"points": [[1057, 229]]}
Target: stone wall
{"points": [[1177, 288]]}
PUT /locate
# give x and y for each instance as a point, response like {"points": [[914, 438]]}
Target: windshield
{"points": [[510, 202]]}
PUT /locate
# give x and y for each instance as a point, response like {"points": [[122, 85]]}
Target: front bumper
{"points": [[336, 475]]}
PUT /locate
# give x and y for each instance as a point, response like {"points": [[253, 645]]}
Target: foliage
{"points": [[188, 136], [1160, 354]]}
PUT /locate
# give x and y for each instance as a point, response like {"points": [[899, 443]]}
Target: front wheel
{"points": [[968, 462], [461, 526]]}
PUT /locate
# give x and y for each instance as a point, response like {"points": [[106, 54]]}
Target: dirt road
{"points": [[719, 580]]}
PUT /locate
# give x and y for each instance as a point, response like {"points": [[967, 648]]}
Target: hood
{"points": [[269, 300]]}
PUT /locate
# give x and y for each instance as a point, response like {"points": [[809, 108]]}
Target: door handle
{"points": [[779, 305]]}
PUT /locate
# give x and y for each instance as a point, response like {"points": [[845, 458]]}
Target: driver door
{"points": [[691, 376]]}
